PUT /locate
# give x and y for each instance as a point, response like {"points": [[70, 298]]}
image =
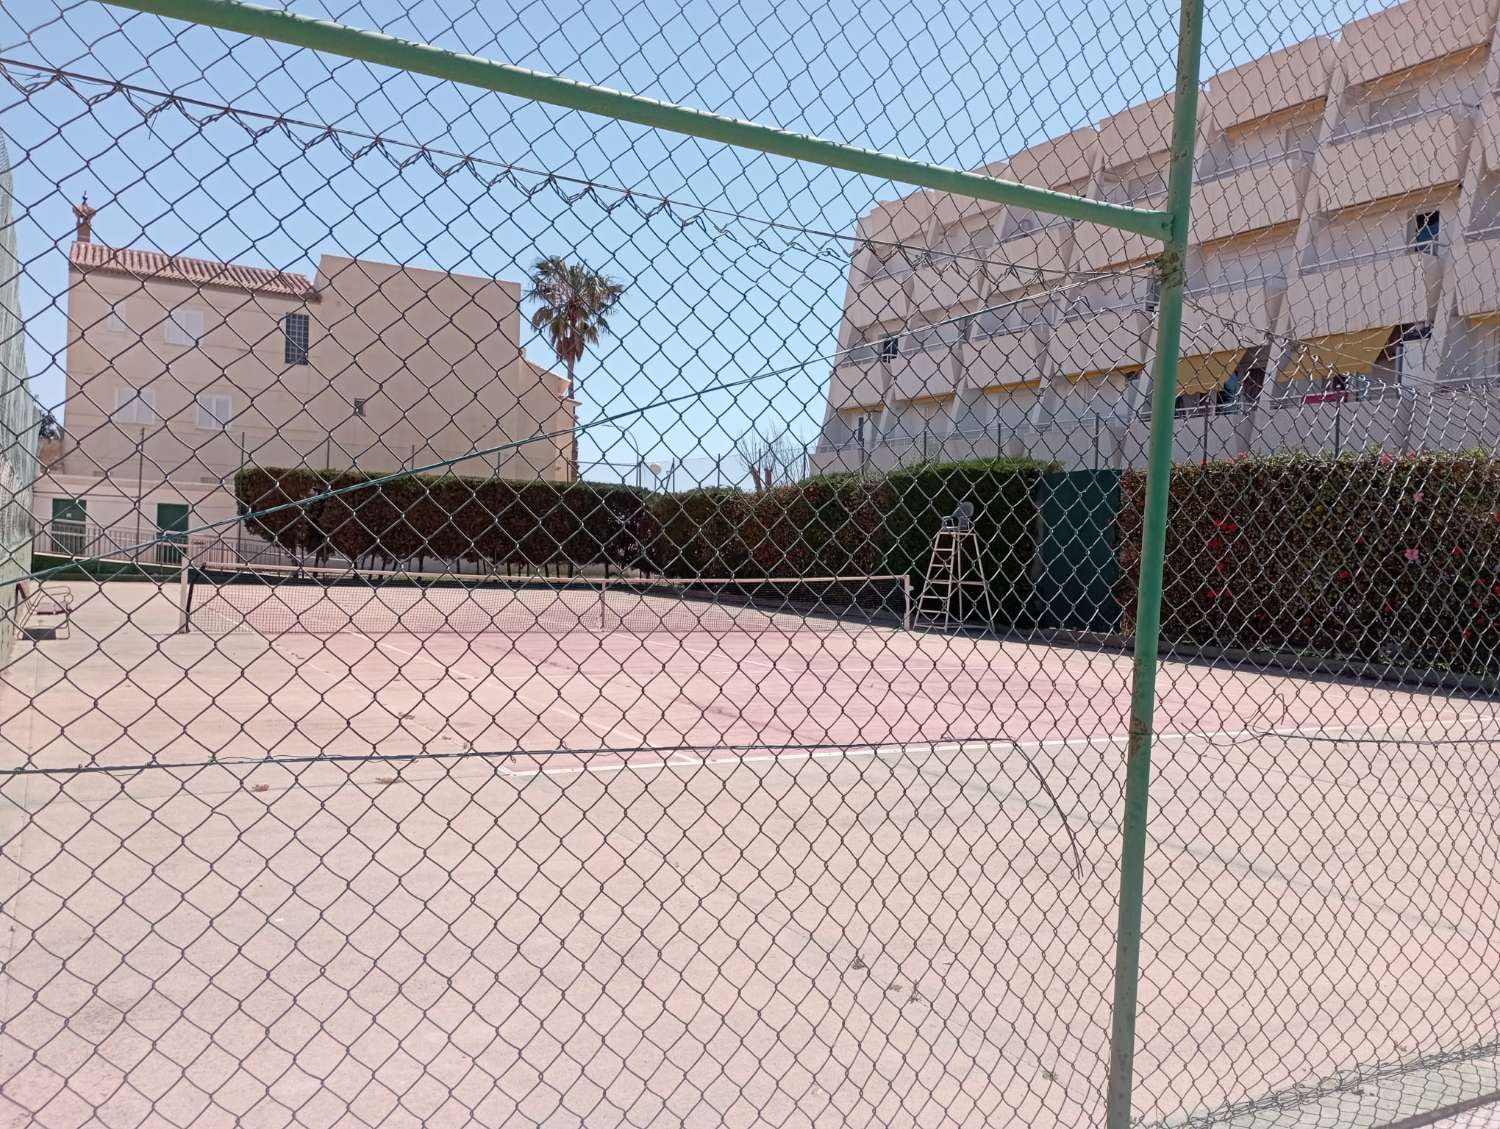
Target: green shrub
{"points": [[447, 518], [848, 525], [1004, 494], [1372, 557], [699, 533], [832, 525]]}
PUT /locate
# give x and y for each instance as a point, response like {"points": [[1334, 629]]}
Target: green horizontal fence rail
{"points": [[422, 58]]}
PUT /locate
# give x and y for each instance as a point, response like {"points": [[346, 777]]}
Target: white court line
{"points": [[886, 750], [425, 657], [808, 668]]}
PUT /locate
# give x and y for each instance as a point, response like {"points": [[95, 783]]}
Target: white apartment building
{"points": [[1344, 278], [181, 371]]}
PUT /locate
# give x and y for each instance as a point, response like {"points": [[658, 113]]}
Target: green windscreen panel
{"points": [[1078, 568], [69, 526], [172, 524]]}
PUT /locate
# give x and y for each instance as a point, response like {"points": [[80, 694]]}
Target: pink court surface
{"points": [[838, 876]]}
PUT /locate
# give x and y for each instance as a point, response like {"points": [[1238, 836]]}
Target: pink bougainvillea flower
{"points": [[1343, 574], [1417, 497], [1412, 554], [1386, 609], [1457, 551], [1385, 459]]}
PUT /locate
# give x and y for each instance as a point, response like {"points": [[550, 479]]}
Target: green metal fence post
{"points": [[1173, 270]]}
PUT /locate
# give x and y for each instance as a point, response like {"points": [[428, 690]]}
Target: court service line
{"points": [[422, 655], [897, 749], [840, 666]]}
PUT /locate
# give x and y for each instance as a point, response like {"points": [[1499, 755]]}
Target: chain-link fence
{"points": [[527, 605]]}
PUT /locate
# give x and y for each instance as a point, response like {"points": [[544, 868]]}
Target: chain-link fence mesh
{"points": [[517, 617]]}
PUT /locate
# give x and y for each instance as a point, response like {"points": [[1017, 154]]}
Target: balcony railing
{"points": [[1206, 289], [1481, 234], [927, 340], [860, 354], [1081, 308], [1233, 167], [1421, 247], [1036, 227], [1018, 317], [1135, 189], [1487, 383], [1355, 132]]}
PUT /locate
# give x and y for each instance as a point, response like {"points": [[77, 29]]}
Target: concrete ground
{"points": [[703, 877]]}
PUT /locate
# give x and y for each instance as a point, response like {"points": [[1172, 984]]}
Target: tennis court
{"points": [[857, 875]]}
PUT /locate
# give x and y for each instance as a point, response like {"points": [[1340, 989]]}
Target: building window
{"points": [[117, 320], [1426, 227], [296, 329], [215, 410], [184, 326], [359, 408], [889, 348], [1409, 352], [135, 405]]}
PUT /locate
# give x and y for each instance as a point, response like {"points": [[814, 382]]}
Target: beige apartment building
{"points": [[1344, 279], [181, 371]]}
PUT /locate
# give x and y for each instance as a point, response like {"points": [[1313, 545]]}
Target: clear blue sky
{"points": [[958, 83]]}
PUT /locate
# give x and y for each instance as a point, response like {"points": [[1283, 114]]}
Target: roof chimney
{"points": [[85, 217]]}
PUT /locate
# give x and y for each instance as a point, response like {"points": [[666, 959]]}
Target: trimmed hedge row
{"points": [[1373, 557], [446, 518], [849, 525], [835, 525]]}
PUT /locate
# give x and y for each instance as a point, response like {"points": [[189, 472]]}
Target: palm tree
{"points": [[574, 301]]}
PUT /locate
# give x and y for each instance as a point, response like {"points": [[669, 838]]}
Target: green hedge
{"points": [[828, 526], [851, 525], [1005, 497], [832, 525], [447, 518], [697, 533], [1372, 557]]}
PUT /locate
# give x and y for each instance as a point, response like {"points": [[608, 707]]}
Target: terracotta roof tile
{"points": [[196, 272]]}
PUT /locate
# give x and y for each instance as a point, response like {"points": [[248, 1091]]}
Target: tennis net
{"points": [[273, 600]]}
